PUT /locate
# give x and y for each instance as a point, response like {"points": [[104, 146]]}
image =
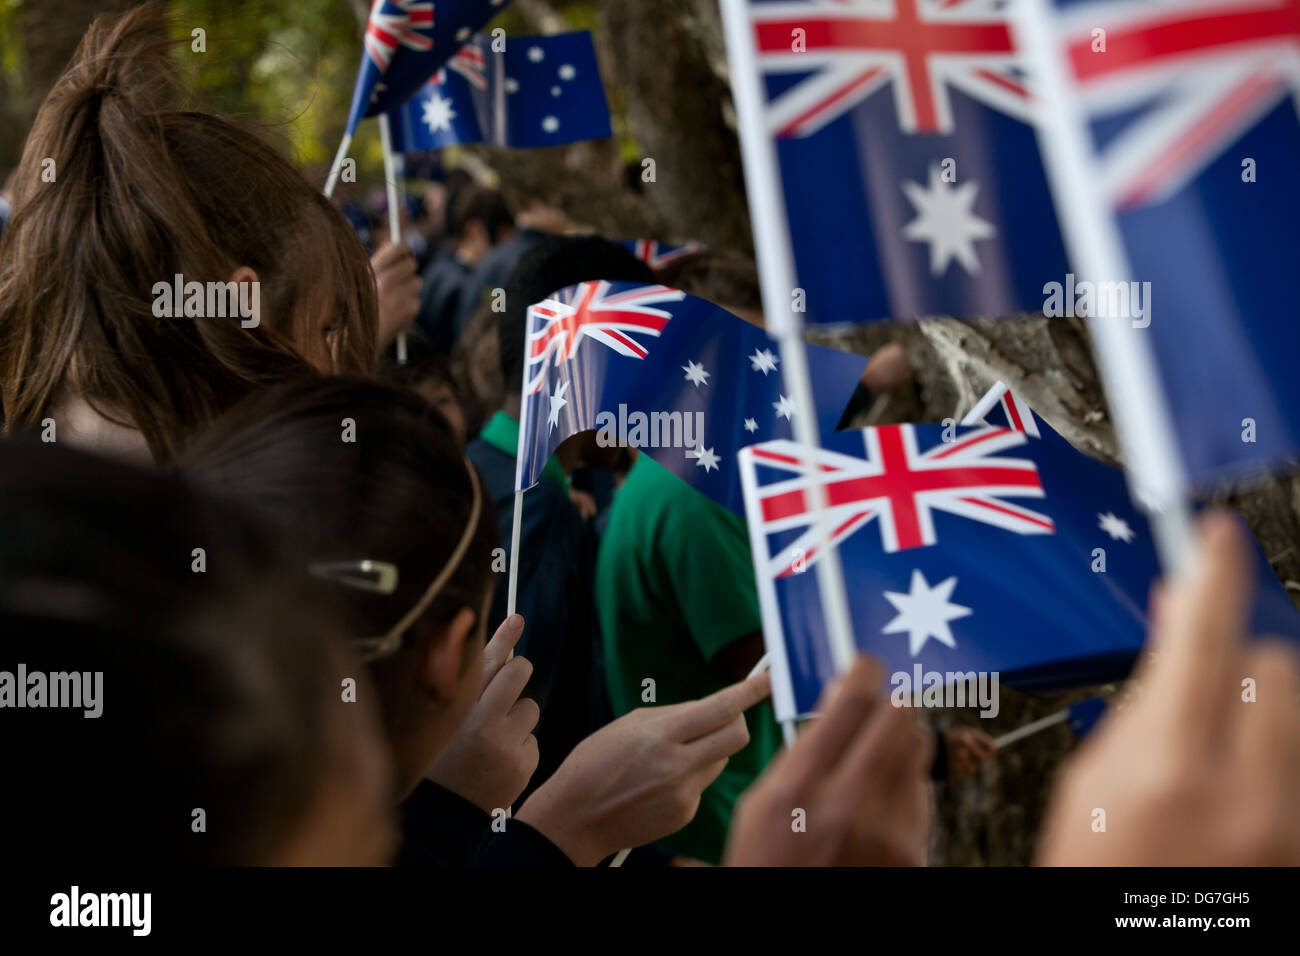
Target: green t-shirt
{"points": [[674, 586], [502, 433]]}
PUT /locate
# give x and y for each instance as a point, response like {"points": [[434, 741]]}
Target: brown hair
{"points": [[400, 491], [143, 192], [221, 686]]}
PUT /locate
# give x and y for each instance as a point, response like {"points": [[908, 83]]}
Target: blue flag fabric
{"points": [[680, 378], [1083, 716], [539, 91], [1186, 112], [405, 43], [965, 548], [912, 177], [1275, 612]]}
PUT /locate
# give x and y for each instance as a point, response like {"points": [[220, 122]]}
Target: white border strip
{"points": [[778, 280], [773, 628], [1137, 402]]}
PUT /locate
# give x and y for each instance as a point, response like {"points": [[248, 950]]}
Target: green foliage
{"points": [[290, 65], [11, 46]]}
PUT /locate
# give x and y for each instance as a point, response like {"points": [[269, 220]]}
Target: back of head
{"points": [[721, 276], [157, 680], [551, 264], [118, 190], [482, 205], [349, 471]]}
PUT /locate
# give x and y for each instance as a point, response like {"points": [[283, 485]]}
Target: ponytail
{"points": [[143, 191]]}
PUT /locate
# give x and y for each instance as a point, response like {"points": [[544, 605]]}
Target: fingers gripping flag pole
{"points": [[1138, 405], [776, 269]]}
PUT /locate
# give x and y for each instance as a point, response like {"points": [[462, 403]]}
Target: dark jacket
{"points": [[442, 287], [556, 598], [440, 828]]}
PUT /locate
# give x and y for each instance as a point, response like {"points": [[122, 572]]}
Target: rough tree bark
{"points": [[664, 70]]}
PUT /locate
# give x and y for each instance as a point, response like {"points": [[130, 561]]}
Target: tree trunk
{"points": [[668, 59]]}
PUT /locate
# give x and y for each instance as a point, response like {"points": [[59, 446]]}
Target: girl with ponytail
{"points": [[118, 190]]}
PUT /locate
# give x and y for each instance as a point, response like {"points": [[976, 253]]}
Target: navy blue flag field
{"points": [[1275, 612], [680, 378], [1083, 716], [539, 91], [965, 548], [405, 43], [905, 138], [1190, 119]]}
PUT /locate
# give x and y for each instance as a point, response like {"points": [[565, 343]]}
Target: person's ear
{"points": [[243, 274], [443, 655]]}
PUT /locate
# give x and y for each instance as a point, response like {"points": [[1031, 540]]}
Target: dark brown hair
{"points": [[220, 684], [145, 191], [400, 492], [720, 276], [478, 203]]}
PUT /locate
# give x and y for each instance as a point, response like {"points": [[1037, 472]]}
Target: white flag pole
{"points": [[516, 523], [1143, 421], [1031, 728], [777, 276], [394, 207], [516, 527], [517, 516], [341, 155]]}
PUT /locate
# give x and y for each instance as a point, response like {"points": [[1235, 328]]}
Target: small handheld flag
{"points": [[921, 511], [406, 42], [539, 91], [653, 367], [903, 138], [404, 45]]}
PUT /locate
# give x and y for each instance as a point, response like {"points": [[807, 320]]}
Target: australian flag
{"points": [[538, 91], [406, 42], [680, 378], [965, 548], [905, 137], [1190, 118]]}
